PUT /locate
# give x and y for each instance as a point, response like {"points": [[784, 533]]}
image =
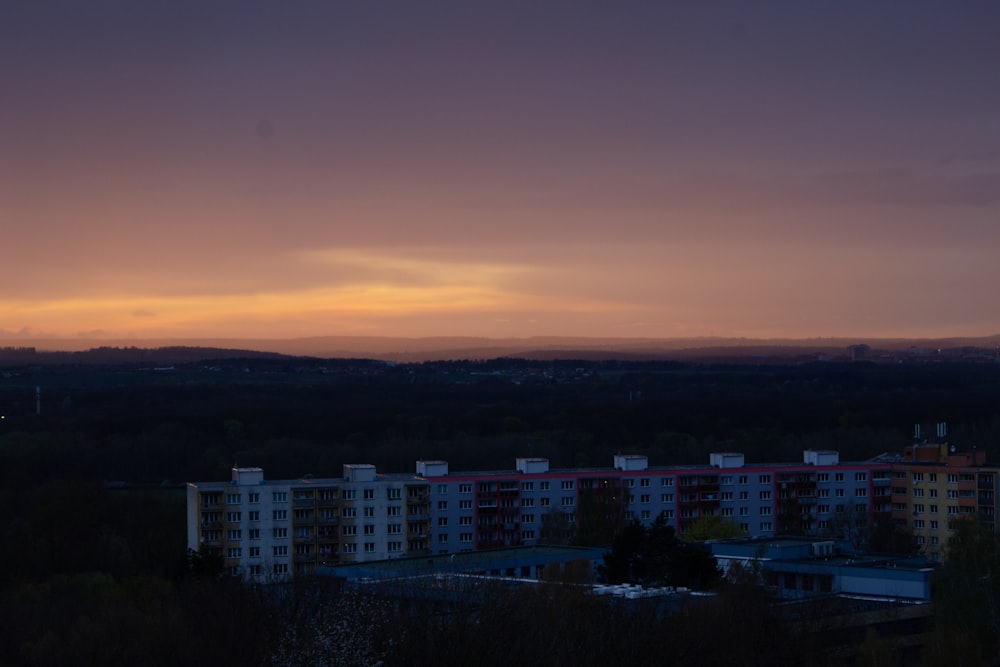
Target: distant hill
{"points": [[166, 351]]}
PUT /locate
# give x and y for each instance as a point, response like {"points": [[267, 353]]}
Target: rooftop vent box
{"points": [[726, 460], [532, 465], [359, 472], [817, 457], [631, 462], [432, 468]]}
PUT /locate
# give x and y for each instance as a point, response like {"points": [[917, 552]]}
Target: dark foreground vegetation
{"points": [[94, 568]]}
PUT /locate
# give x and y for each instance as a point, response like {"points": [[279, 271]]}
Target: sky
{"points": [[503, 169]]}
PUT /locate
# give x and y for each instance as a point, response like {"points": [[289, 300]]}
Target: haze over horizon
{"points": [[197, 170]]}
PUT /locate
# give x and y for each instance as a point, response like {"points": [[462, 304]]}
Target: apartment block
{"points": [[273, 530], [934, 486], [276, 530]]}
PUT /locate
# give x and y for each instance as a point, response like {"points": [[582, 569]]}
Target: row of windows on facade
{"points": [[932, 477], [565, 501], [253, 497], [918, 492], [566, 485]]}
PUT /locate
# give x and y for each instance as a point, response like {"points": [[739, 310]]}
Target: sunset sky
{"points": [[504, 169]]}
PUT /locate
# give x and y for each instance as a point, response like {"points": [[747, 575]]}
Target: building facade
{"points": [[276, 530], [934, 486], [273, 530]]}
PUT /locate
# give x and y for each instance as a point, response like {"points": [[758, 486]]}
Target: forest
{"points": [[94, 458]]}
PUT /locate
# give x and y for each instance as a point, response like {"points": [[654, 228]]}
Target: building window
{"points": [[744, 495], [234, 552], [860, 477], [369, 547], [666, 497], [350, 548], [744, 479], [280, 550], [253, 515], [667, 481], [235, 535], [442, 521], [254, 552], [861, 492], [765, 479], [765, 495], [823, 477], [348, 531], [766, 526], [465, 537], [394, 494], [280, 568], [567, 501], [393, 511], [643, 482], [369, 529], [544, 502], [465, 504], [254, 533], [527, 486], [644, 498], [349, 494], [443, 505], [527, 535], [465, 520], [395, 547], [279, 533], [279, 497], [253, 498], [465, 488], [765, 511], [232, 499], [349, 512], [369, 494], [279, 515], [744, 511], [544, 486]]}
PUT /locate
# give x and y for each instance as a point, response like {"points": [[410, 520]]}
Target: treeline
{"points": [[155, 427]]}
